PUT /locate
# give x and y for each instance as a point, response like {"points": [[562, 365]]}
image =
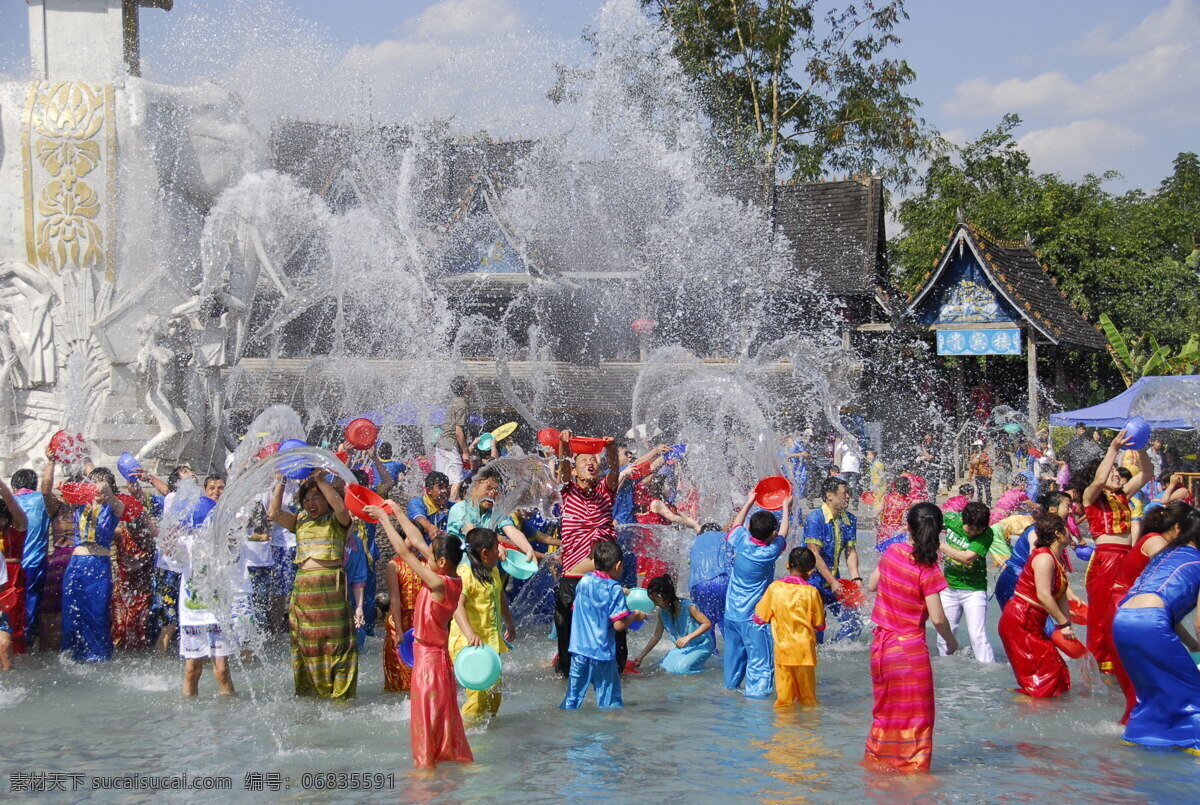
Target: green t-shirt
{"points": [[973, 575]]}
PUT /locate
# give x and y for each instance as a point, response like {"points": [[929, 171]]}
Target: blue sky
{"points": [[1101, 84]]}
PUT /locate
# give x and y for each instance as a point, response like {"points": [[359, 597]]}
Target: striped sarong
{"points": [[396, 675], [324, 651], [901, 736]]}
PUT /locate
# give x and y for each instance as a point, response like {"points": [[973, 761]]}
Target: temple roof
{"points": [[1025, 285]]}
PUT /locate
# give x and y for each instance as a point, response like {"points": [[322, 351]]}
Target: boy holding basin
{"points": [[600, 612], [748, 653]]}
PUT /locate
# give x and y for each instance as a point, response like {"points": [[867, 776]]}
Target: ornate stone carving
{"points": [[69, 166]]}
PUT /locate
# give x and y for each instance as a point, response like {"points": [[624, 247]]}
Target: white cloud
{"points": [[465, 18], [473, 60], [1085, 146], [1153, 69], [1167, 24]]}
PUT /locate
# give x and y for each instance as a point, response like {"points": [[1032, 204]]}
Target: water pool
{"points": [[683, 739]]}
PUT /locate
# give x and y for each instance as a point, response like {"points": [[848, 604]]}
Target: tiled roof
{"points": [[1020, 275], [836, 233]]}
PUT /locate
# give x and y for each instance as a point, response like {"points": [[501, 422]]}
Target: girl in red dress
{"points": [[436, 727], [1041, 590], [1106, 504]]}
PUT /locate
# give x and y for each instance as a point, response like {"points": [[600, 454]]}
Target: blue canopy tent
{"points": [[1171, 401]]}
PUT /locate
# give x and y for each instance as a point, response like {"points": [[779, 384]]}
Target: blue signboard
{"points": [[979, 342]]}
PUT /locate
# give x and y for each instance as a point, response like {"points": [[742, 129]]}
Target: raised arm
{"points": [[1092, 493], [1143, 476], [340, 512], [275, 511], [386, 481], [19, 521], [785, 518], [435, 583], [47, 485], [613, 478], [740, 518], [664, 511], [563, 451]]}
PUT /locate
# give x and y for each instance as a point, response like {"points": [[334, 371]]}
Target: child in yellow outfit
{"points": [[486, 606], [795, 609]]}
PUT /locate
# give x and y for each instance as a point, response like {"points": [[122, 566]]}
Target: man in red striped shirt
{"points": [[587, 518]]}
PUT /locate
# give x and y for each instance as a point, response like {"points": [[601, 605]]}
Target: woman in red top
{"points": [[436, 727], [1159, 526], [895, 504], [1041, 590], [1106, 504], [651, 508]]}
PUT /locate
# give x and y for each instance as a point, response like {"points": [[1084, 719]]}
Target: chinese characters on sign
{"points": [[979, 342]]}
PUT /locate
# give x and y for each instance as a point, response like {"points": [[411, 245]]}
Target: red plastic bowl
{"points": [[771, 492], [133, 508], [585, 445], [65, 447], [1072, 648], [1079, 613], [359, 497], [78, 493], [548, 437], [362, 433], [851, 593]]}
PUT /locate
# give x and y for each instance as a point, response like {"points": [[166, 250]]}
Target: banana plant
{"points": [[1138, 357]]}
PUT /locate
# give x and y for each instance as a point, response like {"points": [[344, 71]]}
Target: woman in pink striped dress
{"points": [[906, 582]]}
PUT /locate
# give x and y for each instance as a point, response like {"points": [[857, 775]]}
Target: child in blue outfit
{"points": [[599, 613], [749, 654]]}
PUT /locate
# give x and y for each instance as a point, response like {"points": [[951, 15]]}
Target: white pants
{"points": [[972, 603], [449, 462]]}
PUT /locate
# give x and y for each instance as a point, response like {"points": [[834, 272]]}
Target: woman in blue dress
{"points": [[1154, 645], [683, 620]]}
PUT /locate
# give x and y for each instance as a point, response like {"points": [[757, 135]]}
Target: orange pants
{"points": [[795, 684]]}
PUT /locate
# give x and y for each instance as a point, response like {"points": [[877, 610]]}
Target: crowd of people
{"points": [[86, 571]]}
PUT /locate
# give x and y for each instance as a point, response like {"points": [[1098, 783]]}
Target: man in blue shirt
{"points": [[749, 653], [831, 532], [431, 510], [37, 541]]}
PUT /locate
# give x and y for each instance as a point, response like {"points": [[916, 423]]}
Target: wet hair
{"points": [[663, 587], [1189, 529], [925, 528], [174, 476], [447, 547], [478, 541], [1159, 519], [1047, 527], [802, 559], [210, 478], [831, 485], [1125, 474], [485, 474], [1164, 478], [902, 486], [1080, 426], [435, 479], [1051, 500], [711, 527], [965, 490], [385, 451], [606, 556], [360, 477], [459, 385], [104, 474], [5, 514], [1083, 479], [24, 479], [976, 515], [763, 525]]}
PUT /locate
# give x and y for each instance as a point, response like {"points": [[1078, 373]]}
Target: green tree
{"points": [[802, 85], [1121, 254]]}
